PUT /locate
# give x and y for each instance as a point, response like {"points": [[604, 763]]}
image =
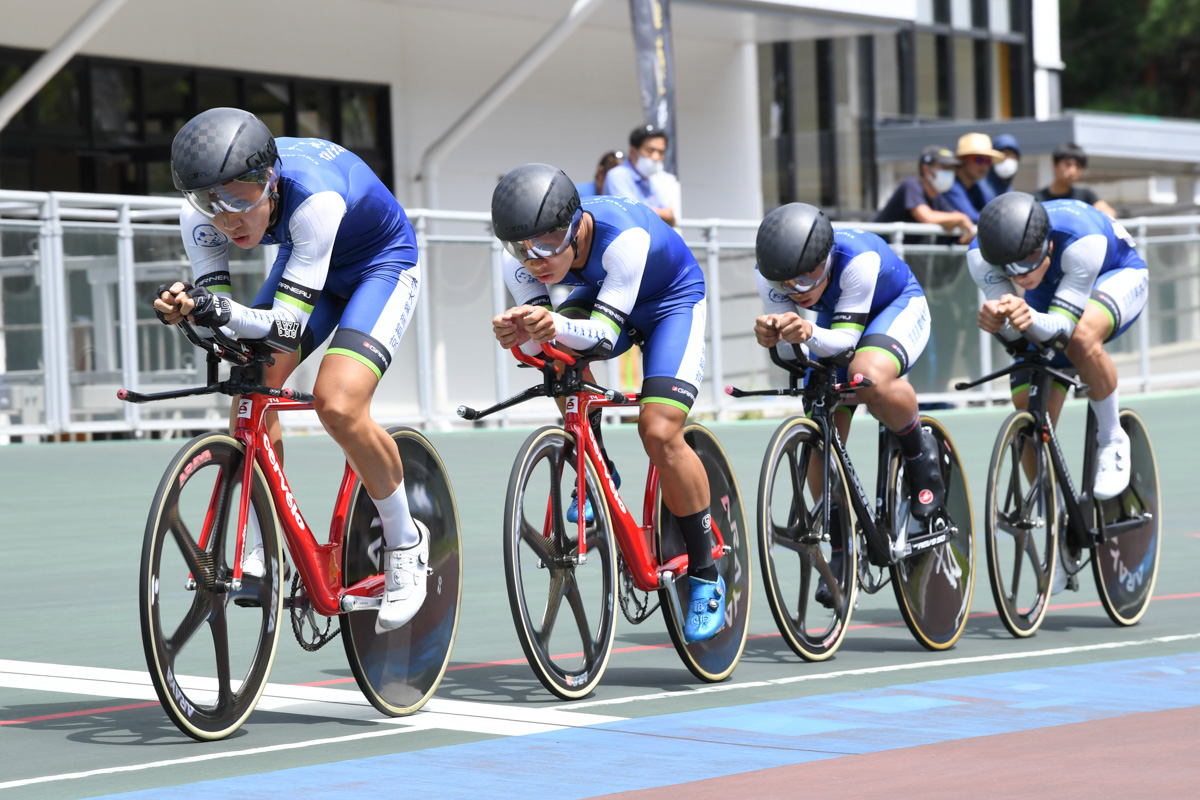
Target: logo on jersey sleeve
{"points": [[525, 276], [208, 236], [777, 296]]}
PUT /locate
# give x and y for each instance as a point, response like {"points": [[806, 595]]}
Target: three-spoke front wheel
{"points": [[563, 609], [399, 670], [810, 591], [209, 645], [1021, 524]]}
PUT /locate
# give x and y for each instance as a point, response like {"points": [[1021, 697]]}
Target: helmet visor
{"points": [[802, 284], [547, 244], [234, 197], [1015, 269]]}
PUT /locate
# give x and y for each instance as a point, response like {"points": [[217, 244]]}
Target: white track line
{"points": [[729, 687]]}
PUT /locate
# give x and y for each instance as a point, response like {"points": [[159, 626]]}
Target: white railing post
{"points": [[715, 360], [499, 306], [127, 313], [424, 345], [985, 348], [55, 329], [1144, 321]]}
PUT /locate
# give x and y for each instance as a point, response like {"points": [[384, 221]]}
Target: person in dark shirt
{"points": [[919, 198], [1001, 176], [1070, 160]]}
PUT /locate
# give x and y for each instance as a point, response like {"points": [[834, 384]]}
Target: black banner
{"points": [[656, 73]]}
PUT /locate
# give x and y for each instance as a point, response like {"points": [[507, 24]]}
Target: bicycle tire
{"points": [[1126, 567], [715, 659], [934, 587], [793, 555], [540, 571], [399, 670], [1021, 514], [208, 685]]}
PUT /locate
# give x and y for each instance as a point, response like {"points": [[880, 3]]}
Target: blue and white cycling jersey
{"points": [[1088, 249], [338, 229], [640, 281], [871, 301]]}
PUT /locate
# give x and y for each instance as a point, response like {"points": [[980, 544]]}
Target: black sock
{"points": [[697, 535], [911, 438]]}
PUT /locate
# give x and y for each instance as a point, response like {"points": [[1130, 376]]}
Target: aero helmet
{"points": [[536, 211], [1012, 228], [223, 146], [792, 242]]}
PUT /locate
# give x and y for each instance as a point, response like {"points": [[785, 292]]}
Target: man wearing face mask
{"points": [[920, 198], [641, 177], [1001, 177]]}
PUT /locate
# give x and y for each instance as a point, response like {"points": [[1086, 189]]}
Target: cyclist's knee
{"points": [[338, 412], [661, 434]]}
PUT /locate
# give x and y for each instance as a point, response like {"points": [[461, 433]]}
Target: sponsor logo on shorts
{"points": [[685, 392], [379, 353]]}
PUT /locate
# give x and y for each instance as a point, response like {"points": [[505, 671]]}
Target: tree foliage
{"points": [[1132, 56]]}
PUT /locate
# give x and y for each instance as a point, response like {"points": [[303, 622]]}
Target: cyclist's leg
{"points": [[674, 368], [891, 344], [1118, 297], [363, 347]]}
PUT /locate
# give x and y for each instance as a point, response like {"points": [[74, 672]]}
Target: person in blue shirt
{"points": [[607, 162], [1001, 177], [1081, 285], [347, 265], [871, 315], [634, 280], [920, 198], [970, 191], [634, 178]]}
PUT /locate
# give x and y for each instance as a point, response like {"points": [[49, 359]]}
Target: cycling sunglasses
{"points": [[547, 244], [802, 284], [235, 197], [1015, 269]]}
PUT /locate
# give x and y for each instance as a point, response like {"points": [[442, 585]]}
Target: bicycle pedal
{"points": [[353, 602], [1073, 582], [249, 602]]}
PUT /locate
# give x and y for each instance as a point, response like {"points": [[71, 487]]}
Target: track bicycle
{"points": [[1035, 518], [593, 565], [210, 631], [803, 522]]}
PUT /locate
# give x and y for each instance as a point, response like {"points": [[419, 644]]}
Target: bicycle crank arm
{"points": [[931, 533], [1114, 529], [354, 602]]}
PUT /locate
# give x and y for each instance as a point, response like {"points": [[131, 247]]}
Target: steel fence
{"points": [[77, 272]]}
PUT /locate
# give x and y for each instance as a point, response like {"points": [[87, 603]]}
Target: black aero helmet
{"points": [[535, 211], [1011, 228], [220, 146], [793, 240]]}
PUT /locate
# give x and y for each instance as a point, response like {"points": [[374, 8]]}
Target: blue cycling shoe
{"points": [[706, 609], [588, 514]]}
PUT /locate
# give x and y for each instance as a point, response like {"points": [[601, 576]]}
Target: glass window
{"points": [[979, 14], [847, 120], [269, 101], [941, 11], [964, 77], [887, 76], [216, 91], [359, 121], [113, 114], [806, 142], [58, 102], [314, 111], [167, 94], [927, 83]]}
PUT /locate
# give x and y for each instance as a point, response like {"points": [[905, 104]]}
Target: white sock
{"points": [[398, 527], [1108, 424], [253, 532]]}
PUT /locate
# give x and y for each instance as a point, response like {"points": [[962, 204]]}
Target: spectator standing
{"points": [[920, 198], [636, 178], [1001, 176], [607, 162], [970, 192], [1070, 160]]}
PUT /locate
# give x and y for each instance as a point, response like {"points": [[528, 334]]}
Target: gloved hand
{"points": [[164, 288], [210, 311]]}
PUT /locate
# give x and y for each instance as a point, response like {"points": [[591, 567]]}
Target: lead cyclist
{"points": [[347, 265]]}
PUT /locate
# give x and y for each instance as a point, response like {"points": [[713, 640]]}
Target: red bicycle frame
{"points": [[633, 539], [320, 565]]}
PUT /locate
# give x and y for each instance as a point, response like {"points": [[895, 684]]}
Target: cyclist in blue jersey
{"points": [[347, 265], [1081, 284], [635, 282], [871, 315]]}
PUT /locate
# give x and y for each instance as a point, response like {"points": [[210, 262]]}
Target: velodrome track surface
{"points": [[1082, 709]]}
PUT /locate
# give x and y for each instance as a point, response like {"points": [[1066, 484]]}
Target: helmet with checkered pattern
{"points": [[221, 146], [792, 240], [531, 200]]}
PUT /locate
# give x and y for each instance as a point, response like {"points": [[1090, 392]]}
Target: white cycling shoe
{"points": [[1112, 468], [254, 565], [405, 570]]}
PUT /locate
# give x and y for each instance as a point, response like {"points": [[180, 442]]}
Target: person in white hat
{"points": [[970, 192]]}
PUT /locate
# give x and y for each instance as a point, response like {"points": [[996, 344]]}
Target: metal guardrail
{"points": [[74, 324]]}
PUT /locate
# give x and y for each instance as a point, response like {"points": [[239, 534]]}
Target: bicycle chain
{"points": [[630, 595], [304, 620]]}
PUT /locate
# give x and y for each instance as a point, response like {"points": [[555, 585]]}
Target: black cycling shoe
{"points": [[824, 595], [924, 475]]}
